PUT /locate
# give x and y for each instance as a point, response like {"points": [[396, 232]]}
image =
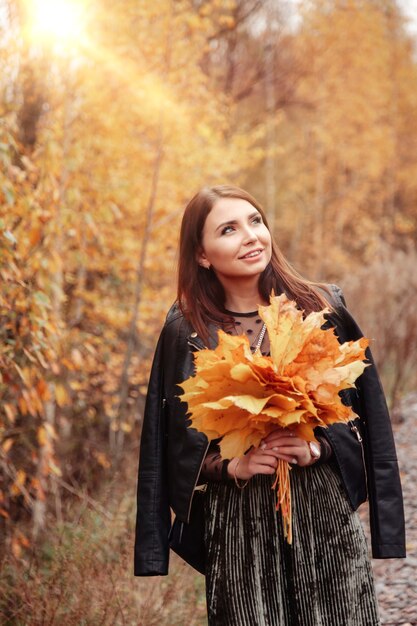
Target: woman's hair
{"points": [[201, 296]]}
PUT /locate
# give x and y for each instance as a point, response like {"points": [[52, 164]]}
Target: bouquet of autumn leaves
{"points": [[240, 396]]}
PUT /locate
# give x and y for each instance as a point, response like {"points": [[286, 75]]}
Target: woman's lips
{"points": [[253, 254]]}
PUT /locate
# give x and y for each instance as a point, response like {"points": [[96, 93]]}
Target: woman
{"points": [[228, 265]]}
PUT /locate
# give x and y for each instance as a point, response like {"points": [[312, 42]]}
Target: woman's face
{"points": [[236, 242]]}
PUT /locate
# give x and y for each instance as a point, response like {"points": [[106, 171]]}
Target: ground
{"points": [[396, 579]]}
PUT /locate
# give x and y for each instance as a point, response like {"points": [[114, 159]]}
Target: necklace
{"points": [[261, 336], [256, 343]]}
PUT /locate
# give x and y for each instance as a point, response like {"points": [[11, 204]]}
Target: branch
{"points": [[96, 505]]}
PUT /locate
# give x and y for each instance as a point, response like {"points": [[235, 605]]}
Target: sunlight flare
{"points": [[55, 20]]}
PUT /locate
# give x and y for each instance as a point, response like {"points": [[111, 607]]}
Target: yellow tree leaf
{"points": [[61, 395], [240, 397]]}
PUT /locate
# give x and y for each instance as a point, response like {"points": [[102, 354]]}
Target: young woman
{"points": [[228, 265]]}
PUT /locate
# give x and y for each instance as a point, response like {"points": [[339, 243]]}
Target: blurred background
{"points": [[112, 115]]}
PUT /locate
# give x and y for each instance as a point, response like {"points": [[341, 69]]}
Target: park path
{"points": [[396, 579]]}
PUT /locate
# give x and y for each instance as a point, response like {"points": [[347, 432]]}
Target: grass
{"points": [[81, 574]]}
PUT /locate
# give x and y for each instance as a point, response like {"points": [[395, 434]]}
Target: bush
{"points": [[82, 574], [383, 298]]}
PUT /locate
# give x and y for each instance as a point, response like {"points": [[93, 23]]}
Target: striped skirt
{"points": [[254, 578]]}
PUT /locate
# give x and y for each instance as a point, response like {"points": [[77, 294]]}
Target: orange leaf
{"points": [[61, 395], [7, 444], [240, 397], [10, 412]]}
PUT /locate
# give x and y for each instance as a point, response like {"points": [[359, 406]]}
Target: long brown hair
{"points": [[201, 296]]}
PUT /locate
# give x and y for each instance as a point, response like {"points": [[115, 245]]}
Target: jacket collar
{"points": [[194, 340]]}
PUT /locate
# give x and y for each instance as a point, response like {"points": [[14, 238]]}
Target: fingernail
{"points": [[263, 446], [294, 461], [275, 448]]}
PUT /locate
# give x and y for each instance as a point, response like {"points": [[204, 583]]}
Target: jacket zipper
{"points": [[195, 484], [355, 430], [197, 347]]}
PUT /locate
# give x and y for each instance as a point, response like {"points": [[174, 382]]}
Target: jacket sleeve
{"points": [[153, 520], [383, 478]]}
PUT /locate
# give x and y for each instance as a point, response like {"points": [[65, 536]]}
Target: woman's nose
{"points": [[249, 235]]}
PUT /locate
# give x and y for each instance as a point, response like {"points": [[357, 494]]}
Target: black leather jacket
{"points": [[171, 453]]}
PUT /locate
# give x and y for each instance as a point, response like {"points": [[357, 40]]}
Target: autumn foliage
{"points": [[104, 140], [241, 397]]}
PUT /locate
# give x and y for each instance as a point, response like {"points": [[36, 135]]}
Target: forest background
{"points": [[112, 115]]}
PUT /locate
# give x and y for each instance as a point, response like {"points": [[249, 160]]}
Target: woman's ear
{"points": [[203, 261]]}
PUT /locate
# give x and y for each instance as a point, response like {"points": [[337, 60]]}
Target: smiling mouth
{"points": [[252, 254]]}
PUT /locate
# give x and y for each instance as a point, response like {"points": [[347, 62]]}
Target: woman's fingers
{"points": [[257, 462], [292, 454], [291, 458], [288, 449], [283, 440], [265, 459], [261, 468], [278, 433], [291, 449], [279, 445]]}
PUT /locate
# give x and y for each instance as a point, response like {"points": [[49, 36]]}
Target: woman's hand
{"points": [[288, 447], [256, 461], [279, 444]]}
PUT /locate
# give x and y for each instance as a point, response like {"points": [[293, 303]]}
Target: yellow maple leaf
{"points": [[240, 396]]}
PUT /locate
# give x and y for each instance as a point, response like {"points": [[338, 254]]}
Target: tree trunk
{"points": [[116, 436]]}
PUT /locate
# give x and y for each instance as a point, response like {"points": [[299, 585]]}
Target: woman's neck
{"points": [[243, 300]]}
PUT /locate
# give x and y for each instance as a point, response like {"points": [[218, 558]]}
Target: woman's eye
{"points": [[227, 229], [257, 219]]}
